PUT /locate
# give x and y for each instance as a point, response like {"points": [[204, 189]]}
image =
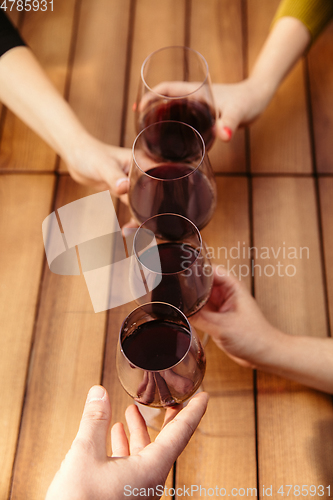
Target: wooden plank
{"points": [[280, 137], [98, 78], [25, 201], [321, 84], [326, 204], [295, 439], [216, 32], [66, 361], [48, 34], [167, 23], [223, 451], [118, 397], [285, 224], [292, 447]]}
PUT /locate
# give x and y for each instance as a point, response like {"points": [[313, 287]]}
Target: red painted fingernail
{"points": [[134, 106], [228, 131]]}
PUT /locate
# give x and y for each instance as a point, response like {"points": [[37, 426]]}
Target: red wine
{"points": [[174, 257], [184, 284], [173, 188], [157, 345], [196, 113]]}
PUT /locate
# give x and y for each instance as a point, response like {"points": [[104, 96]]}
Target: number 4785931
{"points": [[26, 5], [303, 490]]}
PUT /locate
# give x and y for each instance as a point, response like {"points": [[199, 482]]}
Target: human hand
{"points": [[238, 104], [234, 321], [95, 163], [87, 473]]}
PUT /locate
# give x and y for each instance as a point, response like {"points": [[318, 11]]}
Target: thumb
{"points": [[95, 422], [122, 185], [115, 178]]}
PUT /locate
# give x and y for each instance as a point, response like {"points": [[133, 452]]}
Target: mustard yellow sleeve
{"points": [[314, 14]]}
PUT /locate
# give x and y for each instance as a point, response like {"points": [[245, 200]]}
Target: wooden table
{"points": [[275, 187]]}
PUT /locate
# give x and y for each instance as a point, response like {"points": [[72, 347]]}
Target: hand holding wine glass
{"points": [[88, 472], [175, 85]]}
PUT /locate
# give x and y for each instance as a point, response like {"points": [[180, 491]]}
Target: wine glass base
{"points": [[154, 417]]}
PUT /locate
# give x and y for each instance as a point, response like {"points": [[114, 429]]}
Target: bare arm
{"points": [[308, 360], [27, 91], [284, 46], [238, 327], [243, 102]]}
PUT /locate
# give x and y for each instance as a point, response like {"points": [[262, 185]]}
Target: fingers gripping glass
{"points": [[175, 85]]}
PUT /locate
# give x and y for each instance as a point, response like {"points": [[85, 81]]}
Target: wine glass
{"points": [[171, 260], [175, 85], [170, 173], [160, 360]]}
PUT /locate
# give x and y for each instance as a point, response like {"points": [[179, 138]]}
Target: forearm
{"points": [[307, 360], [285, 44], [27, 91]]}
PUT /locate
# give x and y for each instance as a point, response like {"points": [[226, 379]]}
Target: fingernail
{"points": [[228, 131], [134, 106], [129, 231], [96, 393], [120, 181]]}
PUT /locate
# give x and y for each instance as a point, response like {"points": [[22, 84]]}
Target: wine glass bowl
{"points": [[175, 85], [160, 360], [171, 259], [171, 173]]}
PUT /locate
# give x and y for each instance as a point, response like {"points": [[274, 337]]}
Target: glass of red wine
{"points": [[171, 173], [171, 260], [175, 85], [160, 360]]}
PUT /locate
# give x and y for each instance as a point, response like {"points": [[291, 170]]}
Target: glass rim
{"points": [[149, 304], [175, 178], [177, 272], [184, 48]]}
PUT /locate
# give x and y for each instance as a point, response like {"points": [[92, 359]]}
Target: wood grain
{"points": [[295, 438], [73, 348], [66, 361], [97, 83], [285, 224], [326, 204], [222, 451], [120, 400], [216, 32], [291, 418], [321, 84], [49, 36], [156, 26], [24, 202], [280, 140]]}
